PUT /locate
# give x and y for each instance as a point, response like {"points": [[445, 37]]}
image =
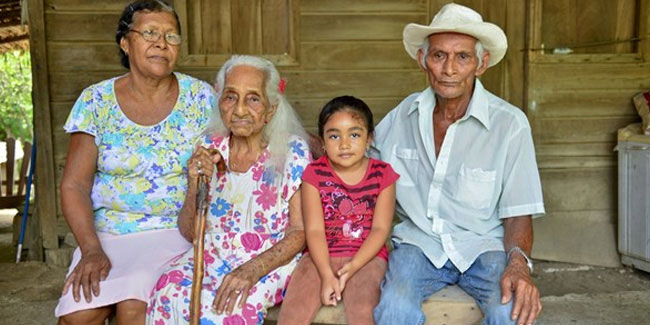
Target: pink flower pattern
{"points": [[250, 227]]}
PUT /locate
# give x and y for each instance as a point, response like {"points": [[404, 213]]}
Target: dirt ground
{"points": [[571, 294]]}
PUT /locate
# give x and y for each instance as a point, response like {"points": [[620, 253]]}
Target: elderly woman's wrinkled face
{"points": [[152, 59], [243, 105]]}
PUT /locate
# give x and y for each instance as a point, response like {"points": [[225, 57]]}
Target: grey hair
{"points": [[478, 48], [284, 124]]}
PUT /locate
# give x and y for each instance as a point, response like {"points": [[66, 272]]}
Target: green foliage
{"points": [[16, 96]]}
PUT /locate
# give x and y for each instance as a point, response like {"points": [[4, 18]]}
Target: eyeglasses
{"points": [[154, 35]]}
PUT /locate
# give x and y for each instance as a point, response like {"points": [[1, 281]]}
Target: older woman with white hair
{"points": [[254, 228]]}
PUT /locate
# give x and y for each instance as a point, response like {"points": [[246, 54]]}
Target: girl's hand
{"points": [[345, 273], [330, 291], [202, 162]]}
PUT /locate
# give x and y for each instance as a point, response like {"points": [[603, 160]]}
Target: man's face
{"points": [[451, 64]]}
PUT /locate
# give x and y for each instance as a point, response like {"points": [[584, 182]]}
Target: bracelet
{"points": [[521, 252]]}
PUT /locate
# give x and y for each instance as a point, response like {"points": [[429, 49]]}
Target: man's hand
{"points": [[516, 279], [92, 268]]}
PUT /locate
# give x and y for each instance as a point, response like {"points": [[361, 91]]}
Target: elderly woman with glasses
{"points": [[254, 228], [124, 180]]}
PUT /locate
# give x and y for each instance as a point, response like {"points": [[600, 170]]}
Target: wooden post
{"points": [[644, 30], [44, 174]]}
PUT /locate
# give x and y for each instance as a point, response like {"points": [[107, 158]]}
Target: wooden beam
{"points": [[45, 184], [11, 39], [644, 29]]}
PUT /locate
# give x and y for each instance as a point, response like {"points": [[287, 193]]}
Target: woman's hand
{"points": [[330, 291], [237, 284], [202, 162], [92, 268]]}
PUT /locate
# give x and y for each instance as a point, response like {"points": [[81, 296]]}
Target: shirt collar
{"points": [[478, 105]]}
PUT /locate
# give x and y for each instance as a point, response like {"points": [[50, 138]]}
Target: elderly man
{"points": [[469, 182]]}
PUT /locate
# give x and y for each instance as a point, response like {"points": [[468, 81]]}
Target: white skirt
{"points": [[137, 262]]}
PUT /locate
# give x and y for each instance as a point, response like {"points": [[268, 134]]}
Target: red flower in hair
{"points": [[281, 85]]}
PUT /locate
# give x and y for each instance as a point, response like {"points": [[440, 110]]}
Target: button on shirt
{"points": [[451, 206]]}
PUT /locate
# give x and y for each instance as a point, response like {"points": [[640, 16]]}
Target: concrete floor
{"points": [[571, 294]]}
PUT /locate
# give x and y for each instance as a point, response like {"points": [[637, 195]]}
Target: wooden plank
{"points": [[355, 55], [580, 22], [66, 86], [309, 108], [514, 72], [610, 58], [577, 189], [275, 16], [580, 150], [69, 56], [558, 25], [595, 76], [601, 103], [85, 5], [584, 237], [102, 56], [577, 130], [45, 186], [320, 6], [217, 28], [246, 16], [578, 161], [193, 19], [81, 26], [625, 27], [357, 26], [644, 29]]}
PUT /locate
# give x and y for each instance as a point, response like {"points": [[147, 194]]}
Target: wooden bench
{"points": [[450, 305]]}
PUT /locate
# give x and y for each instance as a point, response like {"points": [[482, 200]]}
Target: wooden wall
{"points": [[335, 47], [576, 103]]}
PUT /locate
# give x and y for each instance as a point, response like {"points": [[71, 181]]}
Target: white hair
{"points": [[478, 48], [283, 125]]}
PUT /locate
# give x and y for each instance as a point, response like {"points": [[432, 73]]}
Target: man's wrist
{"points": [[514, 251]]}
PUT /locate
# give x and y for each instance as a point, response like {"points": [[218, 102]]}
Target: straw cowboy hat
{"points": [[458, 19]]}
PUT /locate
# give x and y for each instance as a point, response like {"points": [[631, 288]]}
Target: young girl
{"points": [[348, 201]]}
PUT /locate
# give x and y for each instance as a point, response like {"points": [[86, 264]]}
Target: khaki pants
{"points": [[360, 296]]}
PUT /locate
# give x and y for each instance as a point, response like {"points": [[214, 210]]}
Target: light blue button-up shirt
{"points": [[451, 206]]}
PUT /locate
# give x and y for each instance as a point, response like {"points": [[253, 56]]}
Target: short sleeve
{"points": [[389, 178], [522, 190], [82, 115], [309, 175], [297, 160]]}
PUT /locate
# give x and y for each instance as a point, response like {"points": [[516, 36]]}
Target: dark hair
{"points": [[124, 25], [345, 103]]}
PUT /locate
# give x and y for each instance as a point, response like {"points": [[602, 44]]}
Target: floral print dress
{"points": [[248, 213]]}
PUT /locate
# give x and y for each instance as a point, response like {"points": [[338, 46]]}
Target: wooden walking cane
{"points": [[197, 243]]}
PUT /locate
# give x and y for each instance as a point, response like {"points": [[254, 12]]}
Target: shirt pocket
{"points": [[475, 187], [405, 162]]}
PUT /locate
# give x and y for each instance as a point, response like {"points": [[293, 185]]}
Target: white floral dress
{"points": [[248, 214]]}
